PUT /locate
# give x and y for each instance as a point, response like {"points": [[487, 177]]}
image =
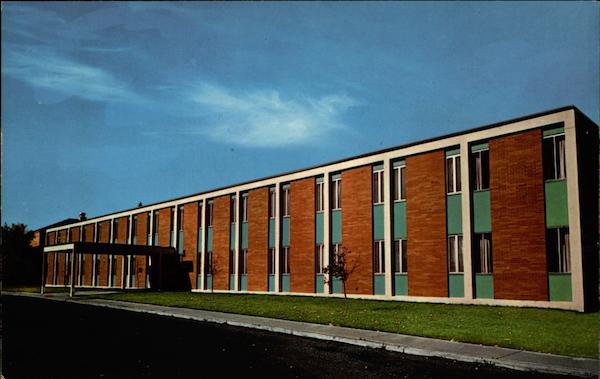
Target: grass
{"points": [[543, 330], [32, 289]]}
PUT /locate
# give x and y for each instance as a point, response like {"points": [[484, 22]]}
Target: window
{"points": [[131, 271], [453, 174], [286, 201], [232, 210], [55, 269], [208, 263], [553, 149], [67, 270], [209, 214], [98, 233], [80, 269], [96, 269], [400, 261], [245, 207], [336, 248], [378, 187], [231, 262], [319, 259], [271, 261], [134, 230], [180, 215], [285, 260], [558, 250], [455, 254], [483, 253], [378, 257], [320, 205], [172, 228], [481, 170], [336, 194], [70, 238], [155, 230], [83, 234], [148, 236], [115, 231], [272, 203], [244, 261], [399, 183]]}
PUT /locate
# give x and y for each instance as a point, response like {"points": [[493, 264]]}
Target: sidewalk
{"points": [[466, 352]]}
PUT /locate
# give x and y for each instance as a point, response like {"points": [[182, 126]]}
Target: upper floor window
{"points": [[231, 262], [286, 201], [271, 260], [378, 187], [320, 258], [245, 207], [558, 250], [400, 183], [453, 174], [336, 193], [272, 203], [98, 233], [209, 213], [336, 249], [455, 253], [155, 221], [554, 157], [481, 170], [232, 209], [400, 260], [180, 215], [134, 228], [83, 234], [319, 189], [378, 257], [483, 253], [171, 226], [115, 231]]}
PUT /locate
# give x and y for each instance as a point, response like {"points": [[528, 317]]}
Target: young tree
{"points": [[339, 268]]}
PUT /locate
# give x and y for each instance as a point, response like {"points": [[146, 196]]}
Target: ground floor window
{"points": [[55, 269], [285, 260], [483, 253], [130, 271], [558, 250], [231, 262], [271, 260], [67, 270], [378, 257], [455, 253], [81, 269], [244, 261], [208, 263], [319, 258], [96, 269], [400, 261]]}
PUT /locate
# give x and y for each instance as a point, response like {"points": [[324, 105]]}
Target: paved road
{"points": [[46, 339]]}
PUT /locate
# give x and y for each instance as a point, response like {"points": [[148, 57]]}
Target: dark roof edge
{"points": [[472, 130]]}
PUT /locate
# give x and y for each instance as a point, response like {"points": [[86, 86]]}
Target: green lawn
{"points": [[550, 331], [33, 289]]}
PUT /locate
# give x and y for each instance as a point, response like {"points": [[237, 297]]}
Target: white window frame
{"points": [[378, 257], [209, 214], [335, 249], [285, 209], [478, 167], [320, 259], [563, 257], [378, 180], [320, 206], [271, 261], [244, 207], [232, 210], [560, 173], [399, 173], [399, 255], [485, 253], [456, 179], [285, 260], [243, 261], [272, 202], [455, 249], [336, 194]]}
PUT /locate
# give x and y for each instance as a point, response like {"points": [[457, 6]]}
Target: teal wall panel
{"points": [[231, 281], [244, 233], [378, 222], [198, 281], [479, 146], [320, 283], [285, 282], [379, 284], [456, 285], [272, 232], [482, 214], [336, 286], [271, 282], [401, 284], [320, 227], [454, 214], [232, 235], [552, 131], [484, 286], [452, 151], [557, 210], [336, 226], [209, 238], [243, 282], [285, 232], [560, 286], [199, 241], [400, 219], [208, 282], [180, 243]]}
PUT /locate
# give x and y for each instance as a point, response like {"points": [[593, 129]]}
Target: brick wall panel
{"points": [[140, 272], [518, 219], [302, 235], [190, 239], [88, 232], [164, 227], [87, 269], [141, 234], [62, 236], [51, 236], [75, 232], [61, 269], [122, 230], [426, 225], [357, 237], [220, 251], [258, 239], [50, 268]]}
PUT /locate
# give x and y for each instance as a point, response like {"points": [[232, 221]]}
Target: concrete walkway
{"points": [[466, 352]]}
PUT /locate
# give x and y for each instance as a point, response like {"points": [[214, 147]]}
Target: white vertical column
{"points": [[202, 269], [387, 227], [236, 252], [326, 228], [277, 235], [81, 233], [573, 209], [175, 235], [466, 219]]}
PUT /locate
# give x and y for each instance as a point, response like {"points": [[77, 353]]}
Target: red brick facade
{"points": [[518, 220], [190, 239], [357, 228], [49, 268], [220, 251], [75, 233], [141, 237], [104, 233], [426, 225], [302, 235], [164, 227], [258, 239], [62, 236]]}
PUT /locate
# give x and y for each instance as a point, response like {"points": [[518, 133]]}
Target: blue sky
{"points": [[108, 104]]}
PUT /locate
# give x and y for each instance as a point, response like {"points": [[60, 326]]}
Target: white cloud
{"points": [[49, 71], [264, 118]]}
